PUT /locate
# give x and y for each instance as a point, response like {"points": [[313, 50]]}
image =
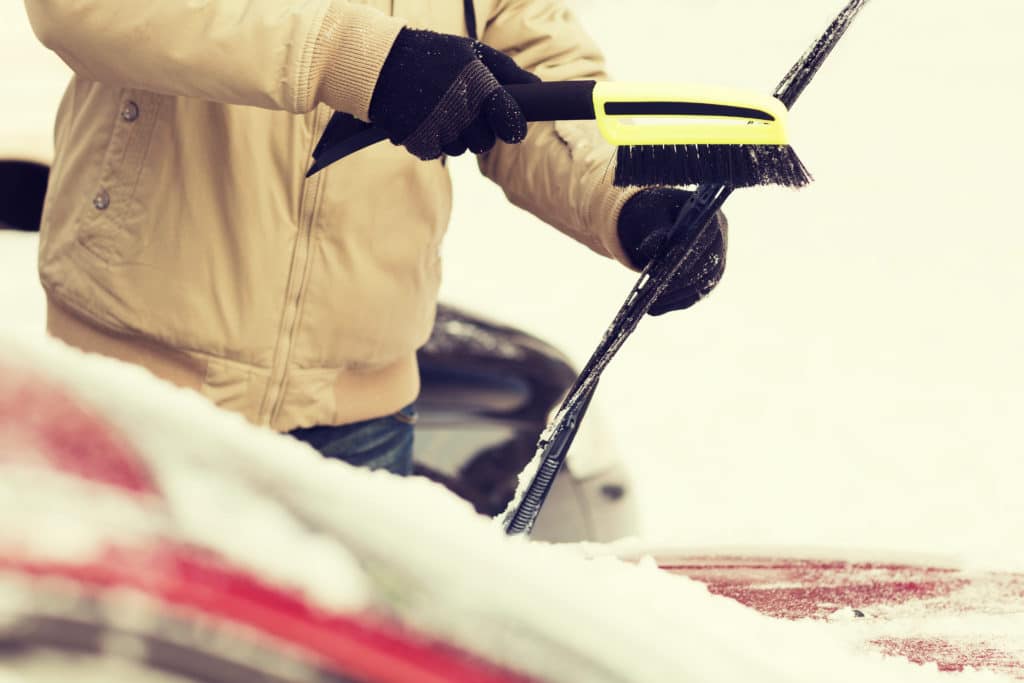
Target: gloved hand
{"points": [[439, 93], [644, 225]]}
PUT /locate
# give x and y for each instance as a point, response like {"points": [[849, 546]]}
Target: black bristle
{"points": [[733, 165]]}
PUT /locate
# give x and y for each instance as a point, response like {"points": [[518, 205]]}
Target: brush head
{"points": [[732, 165]]}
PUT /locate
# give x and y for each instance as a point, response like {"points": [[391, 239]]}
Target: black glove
{"points": [[439, 93], [644, 225]]}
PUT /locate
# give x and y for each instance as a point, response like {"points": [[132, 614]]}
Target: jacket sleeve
{"points": [[563, 171], [277, 54]]}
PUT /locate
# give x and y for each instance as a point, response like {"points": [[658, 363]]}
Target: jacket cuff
{"points": [[609, 206], [349, 52]]}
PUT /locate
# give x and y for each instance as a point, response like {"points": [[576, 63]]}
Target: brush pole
{"points": [[556, 100]]}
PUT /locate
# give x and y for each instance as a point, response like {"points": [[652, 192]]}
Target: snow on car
{"points": [[144, 529]]}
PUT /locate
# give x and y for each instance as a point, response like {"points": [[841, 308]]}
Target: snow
{"points": [[62, 527], [854, 382], [255, 531], [22, 301], [274, 506]]}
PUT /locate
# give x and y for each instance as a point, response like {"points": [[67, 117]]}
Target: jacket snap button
{"points": [[130, 111], [101, 200]]}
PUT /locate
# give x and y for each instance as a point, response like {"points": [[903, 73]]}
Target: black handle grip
{"points": [[555, 101]]}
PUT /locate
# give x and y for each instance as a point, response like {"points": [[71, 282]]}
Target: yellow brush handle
{"points": [[687, 114]]}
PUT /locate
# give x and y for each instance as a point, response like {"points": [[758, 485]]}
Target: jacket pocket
{"points": [[113, 230]]}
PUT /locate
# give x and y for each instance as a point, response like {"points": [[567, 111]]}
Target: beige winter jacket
{"points": [[179, 231]]}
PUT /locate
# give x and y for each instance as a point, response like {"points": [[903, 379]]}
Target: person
{"points": [[179, 232]]}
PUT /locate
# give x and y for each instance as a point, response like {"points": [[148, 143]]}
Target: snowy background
{"points": [[856, 379]]}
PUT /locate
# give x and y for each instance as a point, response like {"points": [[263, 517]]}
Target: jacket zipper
{"points": [[294, 289]]}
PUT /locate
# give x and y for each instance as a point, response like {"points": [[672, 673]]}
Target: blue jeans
{"points": [[383, 443]]}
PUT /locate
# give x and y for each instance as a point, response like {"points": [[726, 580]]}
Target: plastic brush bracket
{"points": [[633, 114]]}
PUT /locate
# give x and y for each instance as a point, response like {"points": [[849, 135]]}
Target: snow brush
{"points": [[690, 229], [665, 133]]}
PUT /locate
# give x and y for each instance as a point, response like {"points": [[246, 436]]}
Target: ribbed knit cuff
{"points": [[608, 209], [353, 42]]}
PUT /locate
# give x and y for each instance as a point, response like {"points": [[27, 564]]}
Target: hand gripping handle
{"points": [[556, 101]]}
